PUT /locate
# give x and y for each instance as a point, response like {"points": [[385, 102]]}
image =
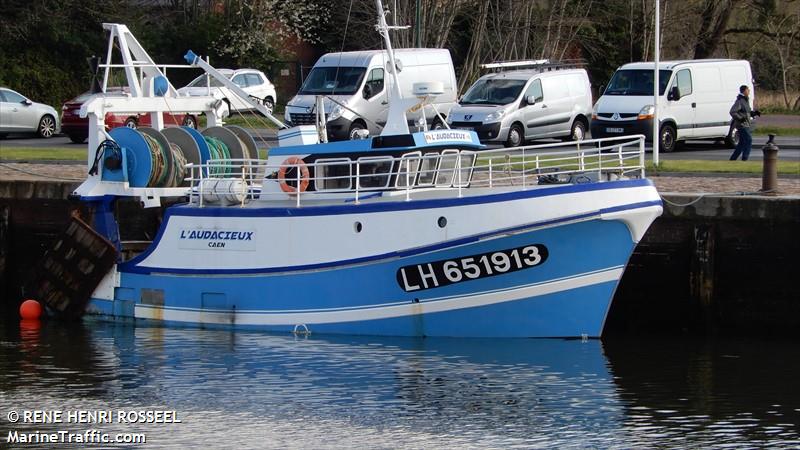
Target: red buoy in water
{"points": [[30, 310]]}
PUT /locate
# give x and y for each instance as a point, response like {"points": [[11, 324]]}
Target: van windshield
{"points": [[493, 91], [333, 80], [637, 82]]}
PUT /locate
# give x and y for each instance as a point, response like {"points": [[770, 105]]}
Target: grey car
{"points": [[20, 115]]}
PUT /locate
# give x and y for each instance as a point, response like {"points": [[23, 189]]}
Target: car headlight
{"points": [[646, 112], [335, 113], [495, 116], [594, 111]]}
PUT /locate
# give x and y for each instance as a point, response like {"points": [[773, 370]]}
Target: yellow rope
{"points": [[159, 172]]}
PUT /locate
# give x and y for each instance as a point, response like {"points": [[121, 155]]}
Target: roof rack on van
{"points": [[541, 64]]}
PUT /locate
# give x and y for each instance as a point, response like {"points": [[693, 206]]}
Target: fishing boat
{"points": [[409, 233]]}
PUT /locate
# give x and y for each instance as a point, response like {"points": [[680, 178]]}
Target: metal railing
{"points": [[239, 181]]}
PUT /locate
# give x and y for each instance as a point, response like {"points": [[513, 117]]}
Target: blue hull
{"points": [[568, 294]]}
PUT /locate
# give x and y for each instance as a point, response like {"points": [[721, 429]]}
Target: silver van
{"points": [[356, 85], [518, 105]]}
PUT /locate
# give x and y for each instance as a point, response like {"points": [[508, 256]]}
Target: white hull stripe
{"points": [[374, 313]]}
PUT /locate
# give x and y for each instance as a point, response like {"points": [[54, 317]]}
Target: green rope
{"points": [[218, 151]]}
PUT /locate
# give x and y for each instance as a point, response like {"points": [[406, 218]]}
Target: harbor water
{"points": [[257, 390]]}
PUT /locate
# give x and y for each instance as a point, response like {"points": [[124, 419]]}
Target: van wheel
{"points": [[131, 122], [516, 136], [437, 125], [577, 132], [354, 130], [668, 138], [732, 139]]}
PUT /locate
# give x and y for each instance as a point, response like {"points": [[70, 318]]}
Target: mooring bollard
{"points": [[769, 177]]}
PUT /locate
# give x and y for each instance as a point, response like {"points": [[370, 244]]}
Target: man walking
{"points": [[741, 113]]}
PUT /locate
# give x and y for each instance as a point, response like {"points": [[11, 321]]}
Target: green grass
{"points": [[778, 131], [42, 154], [671, 166], [779, 110]]}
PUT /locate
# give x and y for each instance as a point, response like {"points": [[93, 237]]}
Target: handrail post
{"points": [[408, 178], [523, 167], [599, 165], [641, 157], [490, 172], [201, 186], [297, 188], [358, 179], [458, 165], [244, 187]]}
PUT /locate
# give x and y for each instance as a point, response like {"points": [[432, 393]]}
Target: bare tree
{"points": [[714, 16]]}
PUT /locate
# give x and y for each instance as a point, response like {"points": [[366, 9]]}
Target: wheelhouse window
{"points": [[467, 163], [375, 172], [427, 172], [333, 174], [409, 169], [447, 168]]}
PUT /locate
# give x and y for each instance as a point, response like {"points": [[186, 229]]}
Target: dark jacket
{"points": [[741, 113]]}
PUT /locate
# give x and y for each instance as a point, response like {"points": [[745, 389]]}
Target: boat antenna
{"points": [[341, 49]]}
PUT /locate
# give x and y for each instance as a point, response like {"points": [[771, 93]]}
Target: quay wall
{"points": [[708, 265]]}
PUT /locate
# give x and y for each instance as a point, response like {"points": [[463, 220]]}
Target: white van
{"points": [[514, 106], [359, 81], [695, 102]]}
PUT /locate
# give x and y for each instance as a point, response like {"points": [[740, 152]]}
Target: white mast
{"points": [[396, 122], [656, 127]]}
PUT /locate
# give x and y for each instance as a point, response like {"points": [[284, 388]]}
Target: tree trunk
{"points": [[714, 20]]}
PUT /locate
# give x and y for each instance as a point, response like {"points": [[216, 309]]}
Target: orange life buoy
{"points": [[304, 175]]}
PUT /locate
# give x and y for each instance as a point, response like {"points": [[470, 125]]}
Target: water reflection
{"points": [[714, 391], [258, 390]]}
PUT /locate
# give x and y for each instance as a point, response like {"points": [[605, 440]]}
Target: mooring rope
{"points": [[701, 196]]}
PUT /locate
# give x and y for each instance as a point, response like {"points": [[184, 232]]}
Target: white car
{"points": [[252, 81], [20, 115]]}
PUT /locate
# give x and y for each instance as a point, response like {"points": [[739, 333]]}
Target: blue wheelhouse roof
{"points": [[416, 141]]}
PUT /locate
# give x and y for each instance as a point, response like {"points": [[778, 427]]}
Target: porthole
{"points": [[357, 227], [442, 222]]}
